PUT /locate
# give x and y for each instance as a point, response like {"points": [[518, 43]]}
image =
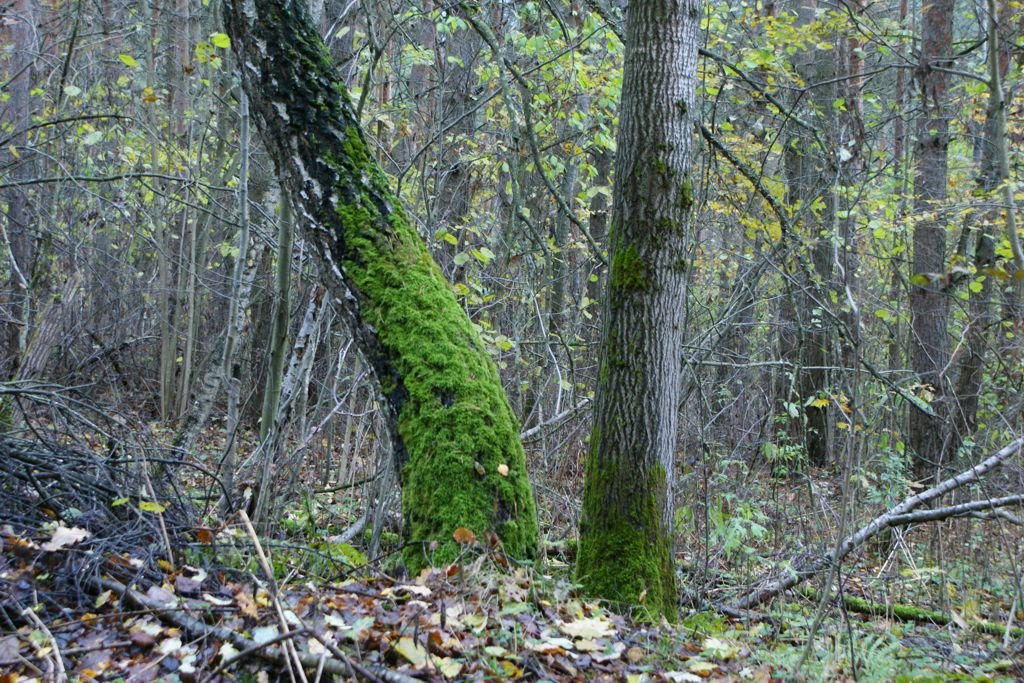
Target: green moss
{"points": [[453, 411], [440, 383], [624, 549], [628, 270], [686, 194]]}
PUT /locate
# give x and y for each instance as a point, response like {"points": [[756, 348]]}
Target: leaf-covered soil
{"points": [[483, 619], [109, 573]]}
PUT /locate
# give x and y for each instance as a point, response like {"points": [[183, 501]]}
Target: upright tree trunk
{"points": [[277, 347], [456, 440], [929, 303], [18, 245], [625, 551]]}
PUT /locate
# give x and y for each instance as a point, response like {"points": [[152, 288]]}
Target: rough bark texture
{"points": [[625, 551], [809, 179], [451, 423], [16, 238], [929, 304]]}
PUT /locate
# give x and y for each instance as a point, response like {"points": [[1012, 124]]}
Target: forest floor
{"points": [[132, 590]]}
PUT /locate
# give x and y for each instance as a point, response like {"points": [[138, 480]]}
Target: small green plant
{"points": [[735, 531], [784, 457]]}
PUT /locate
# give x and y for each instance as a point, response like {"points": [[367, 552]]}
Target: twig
{"points": [[61, 675], [288, 645], [355, 668], [256, 647], [564, 415]]}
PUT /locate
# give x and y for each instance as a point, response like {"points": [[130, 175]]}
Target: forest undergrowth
{"points": [[118, 566]]}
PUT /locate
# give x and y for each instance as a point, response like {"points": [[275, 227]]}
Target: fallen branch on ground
{"points": [[901, 612], [900, 515]]}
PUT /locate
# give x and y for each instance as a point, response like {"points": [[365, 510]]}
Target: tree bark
{"points": [[625, 551], [929, 303], [455, 437]]}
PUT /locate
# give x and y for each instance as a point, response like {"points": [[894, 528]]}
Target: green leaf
{"points": [[72, 90], [119, 502], [461, 259], [92, 138], [151, 506], [920, 280], [128, 60], [220, 40]]}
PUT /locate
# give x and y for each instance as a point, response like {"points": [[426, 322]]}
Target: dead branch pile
{"points": [[79, 498]]}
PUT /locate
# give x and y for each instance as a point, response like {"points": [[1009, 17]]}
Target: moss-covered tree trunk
{"points": [[625, 551], [452, 426]]}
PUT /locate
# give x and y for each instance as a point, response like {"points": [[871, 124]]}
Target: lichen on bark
{"points": [[446, 408]]}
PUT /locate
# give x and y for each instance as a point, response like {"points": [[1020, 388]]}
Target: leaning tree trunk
{"points": [[456, 440], [625, 551]]}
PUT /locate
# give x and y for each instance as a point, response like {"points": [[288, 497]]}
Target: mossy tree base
{"points": [[451, 423], [625, 552]]}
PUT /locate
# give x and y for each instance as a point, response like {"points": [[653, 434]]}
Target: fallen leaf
{"points": [[161, 595], [64, 536], [610, 653], [587, 627], [218, 602], [262, 634], [448, 667], [407, 589], [246, 605], [227, 651], [169, 646], [550, 646], [415, 653], [103, 598], [151, 506], [464, 536], [681, 677], [702, 669], [360, 630], [496, 650], [719, 649], [185, 584]]}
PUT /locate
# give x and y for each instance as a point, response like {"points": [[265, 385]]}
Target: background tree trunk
{"points": [[929, 304], [625, 551]]}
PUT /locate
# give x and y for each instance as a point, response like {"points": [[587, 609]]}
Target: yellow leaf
{"points": [[587, 628], [151, 506], [412, 651], [448, 667], [702, 669]]}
